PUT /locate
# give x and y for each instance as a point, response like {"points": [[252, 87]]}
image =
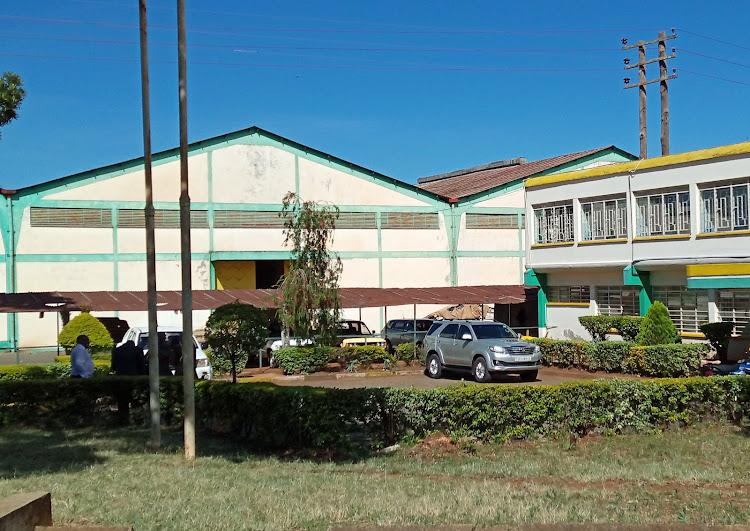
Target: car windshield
{"points": [[493, 331], [423, 326], [170, 338], [353, 328]]}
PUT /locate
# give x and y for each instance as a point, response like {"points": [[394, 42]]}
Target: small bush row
{"points": [[305, 360], [46, 371], [670, 361], [599, 326]]}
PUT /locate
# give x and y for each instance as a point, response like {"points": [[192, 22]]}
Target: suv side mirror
{"points": [[466, 337]]}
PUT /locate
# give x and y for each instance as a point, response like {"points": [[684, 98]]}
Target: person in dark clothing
{"points": [[165, 355], [128, 360]]}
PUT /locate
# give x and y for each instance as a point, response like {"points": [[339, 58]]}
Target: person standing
{"points": [[81, 364], [128, 360]]}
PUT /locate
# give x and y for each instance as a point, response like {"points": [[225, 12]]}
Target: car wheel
{"points": [[479, 370], [529, 376], [434, 370]]}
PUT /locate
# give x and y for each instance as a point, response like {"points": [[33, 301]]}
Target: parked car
{"points": [[399, 331], [350, 332], [139, 335], [482, 347]]}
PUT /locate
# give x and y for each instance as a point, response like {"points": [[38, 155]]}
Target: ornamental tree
{"points": [[310, 304], [11, 95], [87, 325], [657, 327], [232, 332]]}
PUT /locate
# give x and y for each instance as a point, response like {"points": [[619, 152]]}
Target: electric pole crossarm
{"points": [[673, 56], [639, 84], [644, 43]]}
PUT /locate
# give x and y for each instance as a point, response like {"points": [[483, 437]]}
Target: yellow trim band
{"points": [[644, 164], [575, 304], [559, 244], [693, 335], [667, 237], [718, 270], [594, 242], [720, 234]]}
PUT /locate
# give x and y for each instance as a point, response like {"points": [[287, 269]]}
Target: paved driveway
{"points": [[416, 378]]}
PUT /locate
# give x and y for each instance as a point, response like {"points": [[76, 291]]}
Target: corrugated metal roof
{"points": [[100, 301]]}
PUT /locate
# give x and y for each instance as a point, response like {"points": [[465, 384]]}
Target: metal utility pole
{"points": [[188, 349], [153, 344], [642, 82]]}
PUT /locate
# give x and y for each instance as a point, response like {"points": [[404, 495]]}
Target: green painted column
{"points": [[532, 278], [641, 279]]}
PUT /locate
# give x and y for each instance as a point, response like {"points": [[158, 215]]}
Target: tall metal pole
{"points": [[188, 349], [642, 99], [153, 344], [664, 93]]}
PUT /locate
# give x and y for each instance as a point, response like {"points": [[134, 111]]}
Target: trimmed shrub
{"points": [[666, 360], [597, 325], [296, 360], [718, 335], [101, 356], [657, 327], [408, 353], [608, 356], [88, 325], [364, 355], [561, 352], [628, 326], [47, 371]]}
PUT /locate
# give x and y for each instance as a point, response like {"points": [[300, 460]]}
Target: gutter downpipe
{"points": [[10, 253], [454, 243]]}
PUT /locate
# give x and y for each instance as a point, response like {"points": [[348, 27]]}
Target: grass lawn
{"points": [[107, 477]]}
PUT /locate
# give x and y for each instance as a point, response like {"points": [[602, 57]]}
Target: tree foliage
{"points": [[233, 331], [310, 303], [87, 325], [657, 328], [11, 95]]}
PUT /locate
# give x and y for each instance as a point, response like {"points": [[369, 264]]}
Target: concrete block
{"points": [[25, 511]]}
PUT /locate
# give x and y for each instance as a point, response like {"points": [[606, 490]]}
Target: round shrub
{"points": [[657, 328], [87, 325]]}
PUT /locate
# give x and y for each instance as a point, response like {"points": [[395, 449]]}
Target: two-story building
{"points": [[611, 240]]}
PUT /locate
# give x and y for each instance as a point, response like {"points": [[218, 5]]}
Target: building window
{"points": [[688, 308], [617, 300], [87, 218], [663, 214], [554, 223], [163, 219], [244, 219], [569, 294], [734, 306], [604, 220], [409, 220], [724, 207], [356, 220], [493, 221]]}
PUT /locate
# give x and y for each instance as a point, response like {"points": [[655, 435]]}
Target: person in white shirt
{"points": [[81, 364]]}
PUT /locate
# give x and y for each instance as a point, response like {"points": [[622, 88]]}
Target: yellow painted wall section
{"points": [[656, 162], [718, 270], [131, 186], [235, 274]]}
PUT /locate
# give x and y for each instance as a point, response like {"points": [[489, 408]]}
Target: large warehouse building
{"points": [[85, 232]]}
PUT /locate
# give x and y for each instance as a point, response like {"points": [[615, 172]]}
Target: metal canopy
{"points": [[262, 298]]}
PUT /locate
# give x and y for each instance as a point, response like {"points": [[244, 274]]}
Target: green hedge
{"points": [[599, 326], [47, 371], [268, 416], [608, 356], [295, 360], [666, 360], [409, 353], [65, 402], [100, 356]]}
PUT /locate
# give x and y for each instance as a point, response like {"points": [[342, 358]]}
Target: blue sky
{"points": [[405, 88]]}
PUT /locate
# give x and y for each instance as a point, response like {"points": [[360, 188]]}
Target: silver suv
{"points": [[483, 347]]}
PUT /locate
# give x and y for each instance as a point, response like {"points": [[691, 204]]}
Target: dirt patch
{"points": [[435, 446]]}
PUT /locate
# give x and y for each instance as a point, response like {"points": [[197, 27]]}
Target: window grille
{"points": [[356, 220], [617, 300], [554, 223], [604, 220], [569, 294], [663, 214], [493, 221], [163, 219], [409, 220], [734, 306], [244, 219], [724, 207], [89, 218], [688, 308]]}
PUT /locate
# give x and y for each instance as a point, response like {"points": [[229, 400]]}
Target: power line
{"points": [[332, 67], [323, 48], [715, 77], [715, 58], [715, 39]]}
